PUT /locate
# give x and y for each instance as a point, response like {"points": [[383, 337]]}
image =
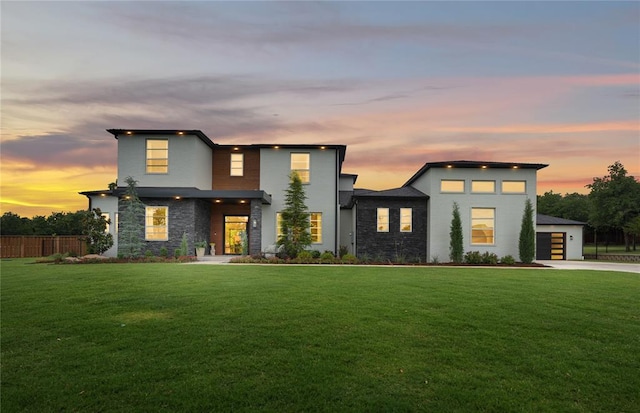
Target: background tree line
{"points": [[58, 223], [611, 209]]}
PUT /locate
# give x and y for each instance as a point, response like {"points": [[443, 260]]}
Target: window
{"points": [[156, 223], [105, 215], [279, 230], [483, 226], [514, 187], [237, 164], [157, 156], [448, 185], [300, 164], [315, 220], [316, 227], [383, 219], [406, 223], [486, 187]]}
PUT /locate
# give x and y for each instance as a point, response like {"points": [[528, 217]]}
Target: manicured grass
{"points": [[180, 337], [612, 249]]}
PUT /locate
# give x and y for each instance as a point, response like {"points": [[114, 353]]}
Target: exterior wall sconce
{"points": [[254, 223], [570, 237]]}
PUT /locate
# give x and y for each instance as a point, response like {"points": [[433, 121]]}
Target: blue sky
{"points": [[401, 83]]}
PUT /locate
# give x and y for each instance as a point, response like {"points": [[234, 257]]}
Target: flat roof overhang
{"points": [[235, 196]]}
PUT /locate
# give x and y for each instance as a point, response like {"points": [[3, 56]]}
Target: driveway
{"points": [[590, 265]]}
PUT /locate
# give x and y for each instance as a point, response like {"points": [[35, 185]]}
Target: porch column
{"points": [[255, 227]]}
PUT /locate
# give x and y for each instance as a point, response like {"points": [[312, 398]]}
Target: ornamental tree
{"points": [[456, 248], [295, 219], [130, 233], [527, 241], [95, 231]]}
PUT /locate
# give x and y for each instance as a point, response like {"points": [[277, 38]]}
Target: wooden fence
{"points": [[22, 246]]}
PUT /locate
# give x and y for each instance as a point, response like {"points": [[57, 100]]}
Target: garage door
{"points": [[550, 245]]}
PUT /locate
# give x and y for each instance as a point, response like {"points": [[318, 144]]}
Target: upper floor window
{"points": [[300, 163], [237, 164], [157, 156], [483, 226], [316, 227], [406, 221], [514, 187], [156, 223], [383, 219], [451, 185], [483, 187]]}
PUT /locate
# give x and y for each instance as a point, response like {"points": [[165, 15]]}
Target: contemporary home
{"points": [[231, 197]]}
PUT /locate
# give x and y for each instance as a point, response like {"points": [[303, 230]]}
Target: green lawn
{"points": [[612, 249], [196, 338]]}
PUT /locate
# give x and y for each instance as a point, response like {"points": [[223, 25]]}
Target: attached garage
{"points": [[558, 238]]}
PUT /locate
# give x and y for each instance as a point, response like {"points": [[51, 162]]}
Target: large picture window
{"points": [[237, 164], [156, 223], [383, 220], [300, 163], [452, 185], [157, 156], [483, 226], [406, 220]]}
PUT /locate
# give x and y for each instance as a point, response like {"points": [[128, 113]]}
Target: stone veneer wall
{"points": [[394, 246], [255, 234], [190, 216]]}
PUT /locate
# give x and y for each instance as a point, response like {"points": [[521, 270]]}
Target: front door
{"points": [[236, 239]]}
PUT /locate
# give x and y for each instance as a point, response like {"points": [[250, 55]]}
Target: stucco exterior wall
{"points": [[573, 241], [321, 192], [508, 208], [190, 162]]}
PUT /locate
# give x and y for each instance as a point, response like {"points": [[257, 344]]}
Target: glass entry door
{"points": [[236, 240]]}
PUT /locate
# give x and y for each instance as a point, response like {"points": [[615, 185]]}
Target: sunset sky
{"points": [[400, 83]]}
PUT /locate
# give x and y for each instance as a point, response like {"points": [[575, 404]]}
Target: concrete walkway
{"points": [[213, 259], [591, 265], [563, 265]]}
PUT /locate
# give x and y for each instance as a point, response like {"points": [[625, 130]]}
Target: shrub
{"points": [[456, 247], [327, 257], [435, 260], [349, 259], [177, 252], [527, 240], [473, 257], [489, 258], [164, 252], [343, 250], [508, 260], [305, 257], [148, 254], [315, 254]]}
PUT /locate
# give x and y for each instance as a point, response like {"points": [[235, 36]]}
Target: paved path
{"points": [[563, 265], [591, 265]]}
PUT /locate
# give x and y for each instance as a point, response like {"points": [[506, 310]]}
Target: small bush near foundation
{"points": [[472, 257], [327, 257], [164, 252], [507, 260], [315, 254], [489, 258], [349, 259], [148, 254], [304, 257]]}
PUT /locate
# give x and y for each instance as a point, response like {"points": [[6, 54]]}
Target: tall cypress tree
{"points": [[527, 241], [456, 247], [295, 219], [131, 231]]}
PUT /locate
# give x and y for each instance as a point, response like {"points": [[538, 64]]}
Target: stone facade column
{"points": [[255, 227]]}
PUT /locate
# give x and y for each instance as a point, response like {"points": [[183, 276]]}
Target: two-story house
{"points": [[232, 195]]}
